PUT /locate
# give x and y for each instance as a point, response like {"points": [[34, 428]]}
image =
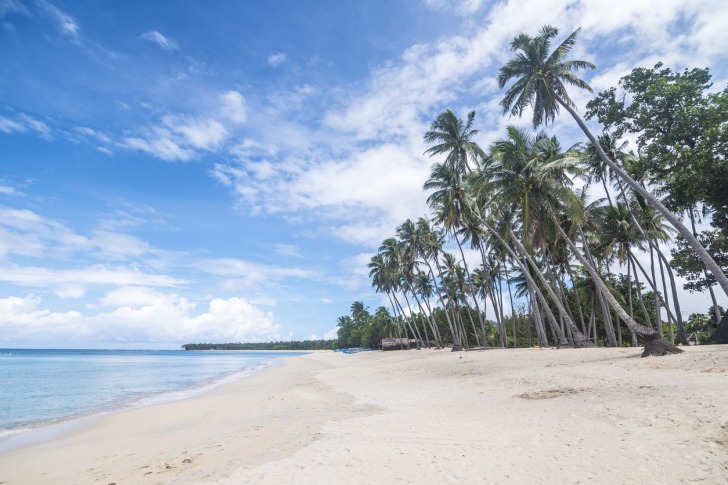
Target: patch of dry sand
{"points": [[496, 416]]}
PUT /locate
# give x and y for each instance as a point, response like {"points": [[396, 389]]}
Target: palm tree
{"points": [[540, 82], [530, 173], [448, 202], [431, 242], [454, 138]]}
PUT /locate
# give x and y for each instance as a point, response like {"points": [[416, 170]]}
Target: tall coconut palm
{"points": [[553, 198], [455, 139], [540, 78], [447, 202], [531, 174], [400, 268], [431, 242]]}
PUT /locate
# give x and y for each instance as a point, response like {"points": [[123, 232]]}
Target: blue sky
{"points": [[189, 171]]}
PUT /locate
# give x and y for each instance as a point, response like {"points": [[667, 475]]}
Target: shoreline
{"points": [[514, 416], [38, 432]]}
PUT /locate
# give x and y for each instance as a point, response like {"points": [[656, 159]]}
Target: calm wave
{"points": [[46, 386]]}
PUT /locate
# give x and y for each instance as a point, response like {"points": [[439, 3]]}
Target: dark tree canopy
{"points": [[682, 133], [689, 266]]}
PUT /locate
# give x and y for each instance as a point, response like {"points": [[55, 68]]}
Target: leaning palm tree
{"points": [[540, 78], [527, 176], [531, 173]]}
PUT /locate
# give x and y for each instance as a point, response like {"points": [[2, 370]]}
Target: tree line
{"points": [[281, 345], [521, 204]]}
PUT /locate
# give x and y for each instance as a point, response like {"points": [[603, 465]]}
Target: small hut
{"points": [[395, 343]]}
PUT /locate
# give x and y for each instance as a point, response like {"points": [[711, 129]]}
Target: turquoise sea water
{"points": [[42, 387]]}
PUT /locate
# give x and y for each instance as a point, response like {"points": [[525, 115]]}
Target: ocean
{"points": [[44, 387]]}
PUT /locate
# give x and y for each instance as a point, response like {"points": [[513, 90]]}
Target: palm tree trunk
{"points": [[705, 273], [418, 336], [670, 316], [639, 292], [501, 327], [406, 321], [543, 340], [658, 306], [442, 301], [513, 308], [593, 322], [521, 265], [580, 339], [707, 260], [500, 304], [667, 299], [470, 287], [616, 317], [422, 312], [578, 299], [675, 298], [663, 259], [654, 344], [606, 316], [631, 305]]}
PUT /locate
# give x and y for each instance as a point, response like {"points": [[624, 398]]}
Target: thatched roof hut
{"points": [[396, 343]]}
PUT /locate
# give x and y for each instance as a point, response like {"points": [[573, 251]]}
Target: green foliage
{"points": [[689, 266], [682, 134], [292, 345], [703, 324]]}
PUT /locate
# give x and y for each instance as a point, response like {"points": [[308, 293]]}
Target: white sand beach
{"points": [[495, 416]]}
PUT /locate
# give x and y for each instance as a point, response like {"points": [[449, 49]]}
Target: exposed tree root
{"points": [[656, 346], [456, 348]]}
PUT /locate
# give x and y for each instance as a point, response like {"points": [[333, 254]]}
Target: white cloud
{"points": [[288, 250], [160, 145], [247, 274], [138, 315], [27, 233], [12, 6], [91, 275], [7, 190], [363, 183], [233, 107], [181, 137], [24, 123], [205, 134], [10, 126], [159, 39], [276, 60], [66, 23], [94, 136], [461, 7], [332, 334]]}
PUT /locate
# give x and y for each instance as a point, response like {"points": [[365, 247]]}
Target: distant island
{"points": [[292, 345]]}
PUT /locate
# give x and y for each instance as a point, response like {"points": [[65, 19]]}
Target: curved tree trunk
{"points": [[513, 308], [578, 299], [455, 339], [522, 266], [607, 317], [639, 293], [543, 340], [707, 260], [580, 340], [663, 259], [654, 344], [472, 291]]}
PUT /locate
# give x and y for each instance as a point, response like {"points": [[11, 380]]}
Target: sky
{"points": [[175, 172]]}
